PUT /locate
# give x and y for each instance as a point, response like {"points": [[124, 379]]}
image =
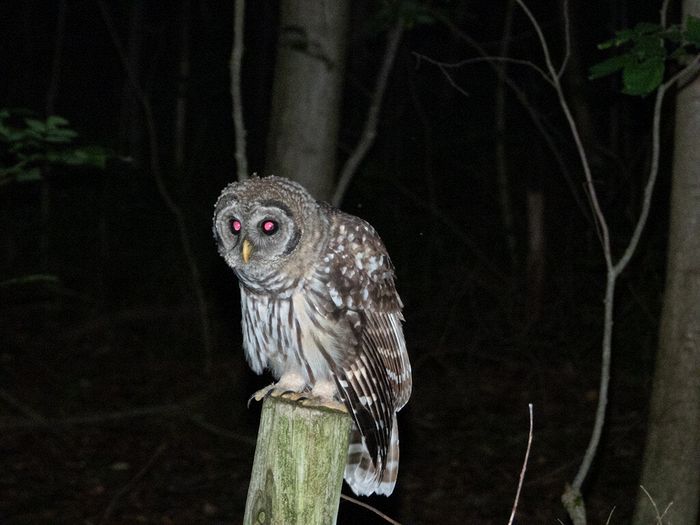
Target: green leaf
{"points": [[13, 170], [641, 78], [88, 156], [692, 30], [673, 34], [621, 37], [30, 175], [648, 46], [35, 125], [94, 156], [30, 279], [7, 133], [54, 121], [681, 56], [646, 28], [60, 135], [609, 66]]}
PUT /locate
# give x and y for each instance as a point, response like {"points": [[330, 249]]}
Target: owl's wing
{"points": [[360, 283], [374, 374]]}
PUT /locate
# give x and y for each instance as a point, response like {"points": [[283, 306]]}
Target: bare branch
{"points": [[662, 15], [567, 39], [659, 517], [537, 118], [222, 432], [543, 41], [174, 409], [28, 411], [572, 497], [171, 205], [490, 59], [370, 508], [454, 84], [654, 168], [522, 471], [133, 482], [237, 101], [370, 129], [610, 274], [500, 118]]}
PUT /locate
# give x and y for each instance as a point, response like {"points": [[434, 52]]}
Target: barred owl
{"points": [[320, 311]]}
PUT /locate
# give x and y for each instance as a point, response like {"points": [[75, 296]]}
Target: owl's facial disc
{"points": [[256, 238]]}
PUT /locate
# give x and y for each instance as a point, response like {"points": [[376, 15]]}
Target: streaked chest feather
{"points": [[292, 334]]}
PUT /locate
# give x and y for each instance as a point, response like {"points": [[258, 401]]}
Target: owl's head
{"points": [[267, 228]]}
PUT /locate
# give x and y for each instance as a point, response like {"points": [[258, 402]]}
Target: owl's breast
{"points": [[291, 334]]}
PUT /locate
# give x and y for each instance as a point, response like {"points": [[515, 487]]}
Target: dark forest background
{"points": [[108, 411]]}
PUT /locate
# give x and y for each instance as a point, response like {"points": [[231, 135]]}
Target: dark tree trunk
{"points": [[306, 96], [671, 472]]}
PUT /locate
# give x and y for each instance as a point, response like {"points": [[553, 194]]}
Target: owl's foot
{"points": [[321, 396], [290, 386]]}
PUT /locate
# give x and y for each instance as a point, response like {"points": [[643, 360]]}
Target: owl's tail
{"points": [[367, 475]]}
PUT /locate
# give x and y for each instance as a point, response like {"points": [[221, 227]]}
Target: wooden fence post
{"points": [[298, 468]]}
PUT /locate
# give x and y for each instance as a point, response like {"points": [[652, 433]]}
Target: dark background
{"points": [[107, 414]]}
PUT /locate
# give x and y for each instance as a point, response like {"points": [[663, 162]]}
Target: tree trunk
{"points": [[671, 471], [307, 90]]}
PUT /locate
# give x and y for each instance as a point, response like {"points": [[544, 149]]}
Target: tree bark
{"points": [[307, 93], [299, 462], [671, 469]]}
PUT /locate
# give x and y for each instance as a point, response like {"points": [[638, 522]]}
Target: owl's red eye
{"points": [[268, 226], [235, 226]]}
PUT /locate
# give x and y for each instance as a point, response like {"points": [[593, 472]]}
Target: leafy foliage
{"points": [[411, 13], [27, 144], [648, 48]]}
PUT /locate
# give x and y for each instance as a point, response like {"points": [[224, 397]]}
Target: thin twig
{"points": [[572, 497], [567, 40], [663, 12], [614, 270], [133, 482], [56, 62], [222, 432], [237, 101], [28, 411], [370, 129], [605, 241], [659, 517], [175, 210], [490, 59], [654, 168], [543, 41], [174, 409], [370, 508], [536, 117], [500, 118], [522, 470]]}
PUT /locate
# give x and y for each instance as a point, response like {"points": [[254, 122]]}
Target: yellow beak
{"points": [[246, 250]]}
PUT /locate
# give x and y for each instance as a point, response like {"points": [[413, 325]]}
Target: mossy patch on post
{"points": [[299, 462]]}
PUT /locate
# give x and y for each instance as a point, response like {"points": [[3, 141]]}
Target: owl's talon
{"points": [[273, 391], [261, 394]]}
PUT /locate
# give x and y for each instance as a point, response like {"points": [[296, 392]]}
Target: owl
{"points": [[321, 312]]}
